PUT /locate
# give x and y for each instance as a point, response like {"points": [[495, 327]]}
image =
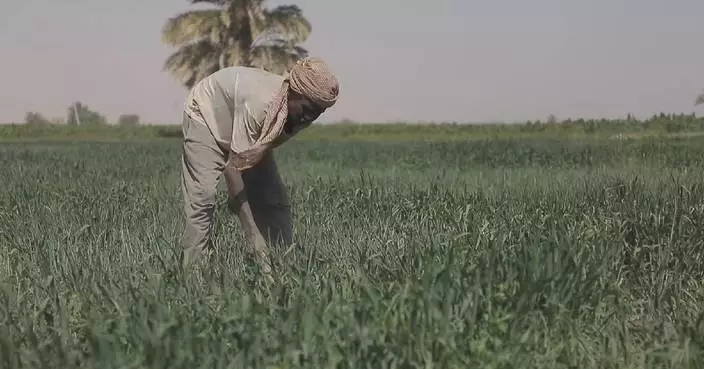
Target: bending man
{"points": [[232, 120]]}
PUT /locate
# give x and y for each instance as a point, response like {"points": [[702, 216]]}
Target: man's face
{"points": [[301, 112]]}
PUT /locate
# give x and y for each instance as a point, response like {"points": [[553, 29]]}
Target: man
{"points": [[232, 120]]}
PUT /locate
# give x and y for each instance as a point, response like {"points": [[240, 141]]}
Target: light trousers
{"points": [[203, 163]]}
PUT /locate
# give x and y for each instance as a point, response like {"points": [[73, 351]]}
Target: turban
{"points": [[309, 77]]}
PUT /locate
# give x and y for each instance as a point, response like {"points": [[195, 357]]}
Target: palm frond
{"points": [[193, 26], [277, 56], [288, 21], [214, 2], [192, 62]]}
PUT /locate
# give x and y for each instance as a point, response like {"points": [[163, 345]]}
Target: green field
{"points": [[453, 250]]}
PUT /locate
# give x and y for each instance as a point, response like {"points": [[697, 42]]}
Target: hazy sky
{"points": [[440, 60]]}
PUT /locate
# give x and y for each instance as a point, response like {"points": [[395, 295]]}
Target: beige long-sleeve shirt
{"points": [[232, 104]]}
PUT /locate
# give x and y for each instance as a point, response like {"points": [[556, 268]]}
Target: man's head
{"points": [[301, 111], [312, 90]]}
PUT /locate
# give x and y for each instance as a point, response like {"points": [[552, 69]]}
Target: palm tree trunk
{"points": [[246, 54], [222, 62], [247, 39]]}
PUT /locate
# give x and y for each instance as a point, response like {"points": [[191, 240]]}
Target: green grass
{"points": [[514, 253]]}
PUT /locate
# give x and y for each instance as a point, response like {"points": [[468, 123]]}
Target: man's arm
{"points": [[240, 205]]}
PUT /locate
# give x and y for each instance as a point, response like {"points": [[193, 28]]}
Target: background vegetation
{"points": [[95, 127]]}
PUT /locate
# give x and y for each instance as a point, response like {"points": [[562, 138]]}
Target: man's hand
{"points": [[239, 205]]}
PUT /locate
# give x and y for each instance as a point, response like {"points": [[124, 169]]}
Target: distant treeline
{"points": [[661, 124]]}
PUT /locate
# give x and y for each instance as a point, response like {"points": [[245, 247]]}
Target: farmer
{"points": [[231, 122]]}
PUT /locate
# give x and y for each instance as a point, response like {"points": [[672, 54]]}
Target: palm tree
{"points": [[235, 32], [700, 99]]}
